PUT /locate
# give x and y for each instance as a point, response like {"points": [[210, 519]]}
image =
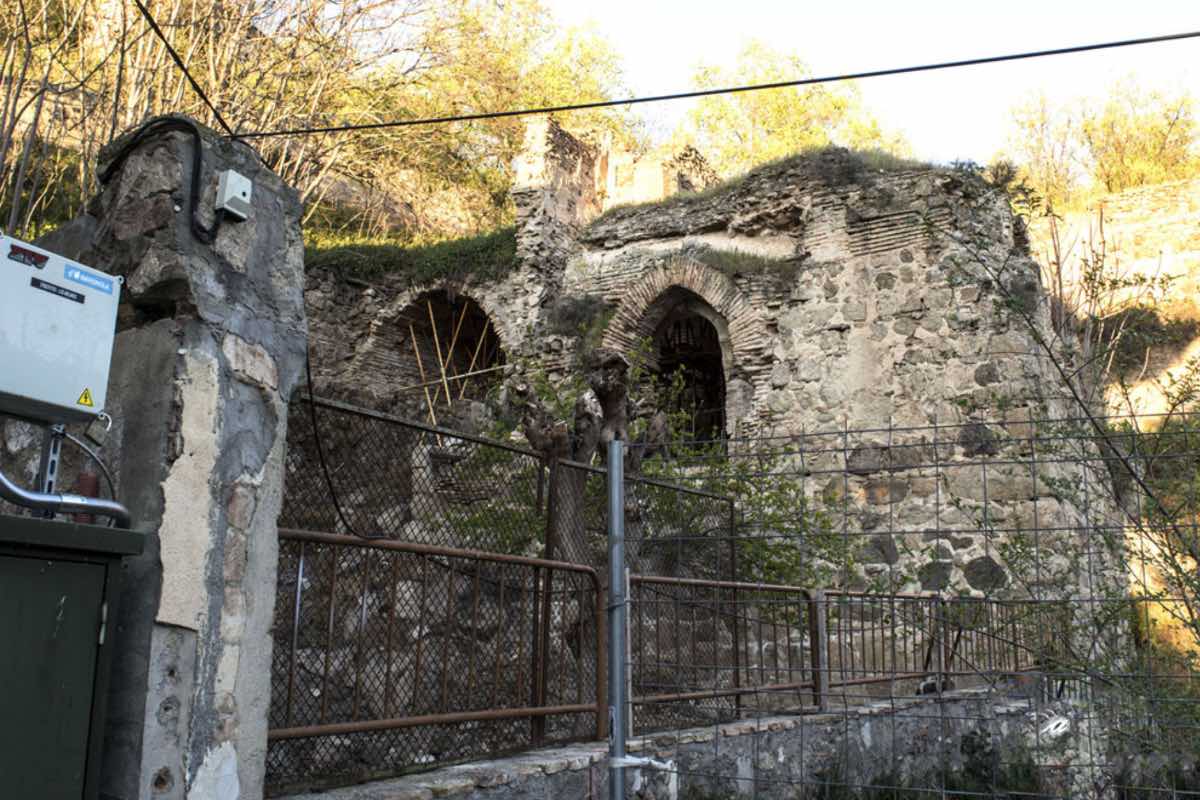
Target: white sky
{"points": [[946, 115]]}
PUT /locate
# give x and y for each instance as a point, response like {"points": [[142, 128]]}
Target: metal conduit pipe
{"points": [[63, 503]]}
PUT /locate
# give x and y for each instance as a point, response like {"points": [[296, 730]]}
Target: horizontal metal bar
{"points": [[798, 438], [341, 540], [714, 584], [781, 587], [714, 693], [895, 676], [649, 481], [882, 597], [335, 405], [396, 723]]}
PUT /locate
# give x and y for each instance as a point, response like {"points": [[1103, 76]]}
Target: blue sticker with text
{"points": [[91, 280]]}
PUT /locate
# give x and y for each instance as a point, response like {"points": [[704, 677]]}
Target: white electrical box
{"points": [[57, 320], [233, 194]]}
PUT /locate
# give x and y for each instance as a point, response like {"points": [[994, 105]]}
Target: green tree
{"points": [[78, 72], [1044, 141], [1139, 136], [738, 131], [490, 56], [1133, 136]]}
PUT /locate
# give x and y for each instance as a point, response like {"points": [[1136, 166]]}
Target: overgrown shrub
{"points": [[483, 259]]}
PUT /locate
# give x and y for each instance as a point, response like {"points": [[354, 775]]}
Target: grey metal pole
{"points": [[617, 616]]}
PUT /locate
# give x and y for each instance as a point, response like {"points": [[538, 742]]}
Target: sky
{"points": [[948, 115]]}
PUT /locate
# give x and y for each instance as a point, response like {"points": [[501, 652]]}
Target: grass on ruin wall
{"points": [[740, 262], [482, 259]]}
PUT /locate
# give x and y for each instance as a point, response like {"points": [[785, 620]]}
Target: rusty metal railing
{"points": [[709, 650], [392, 655]]}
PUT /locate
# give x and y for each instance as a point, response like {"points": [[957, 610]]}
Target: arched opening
{"points": [[709, 293], [688, 355], [453, 353]]}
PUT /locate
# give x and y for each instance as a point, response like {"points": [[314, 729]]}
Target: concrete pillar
{"points": [[211, 345]]}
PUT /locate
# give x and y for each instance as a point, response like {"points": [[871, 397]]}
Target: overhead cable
{"points": [[878, 73], [183, 68]]}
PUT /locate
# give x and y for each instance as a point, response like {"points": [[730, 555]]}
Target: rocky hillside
{"points": [[1147, 241]]}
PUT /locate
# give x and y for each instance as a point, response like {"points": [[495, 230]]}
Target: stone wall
{"points": [[856, 298], [362, 351], [650, 177], [906, 742], [897, 283]]}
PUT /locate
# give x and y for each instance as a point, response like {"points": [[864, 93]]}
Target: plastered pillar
{"points": [[210, 347]]}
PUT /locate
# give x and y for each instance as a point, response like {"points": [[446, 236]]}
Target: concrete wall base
{"points": [[910, 740]]}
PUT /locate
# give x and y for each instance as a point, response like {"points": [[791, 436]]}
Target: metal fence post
{"points": [[537, 662], [941, 627], [601, 663], [617, 620], [543, 619], [737, 617], [818, 640]]}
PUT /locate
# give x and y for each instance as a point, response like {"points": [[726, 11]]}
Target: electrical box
{"points": [[233, 194], [57, 321]]}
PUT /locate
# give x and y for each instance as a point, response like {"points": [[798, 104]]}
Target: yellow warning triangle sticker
{"points": [[85, 399]]}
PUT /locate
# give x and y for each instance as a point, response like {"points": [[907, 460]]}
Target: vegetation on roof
{"points": [[482, 259], [834, 165], [741, 262]]}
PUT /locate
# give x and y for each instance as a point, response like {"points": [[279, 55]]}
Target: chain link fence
{"points": [[1016, 593], [390, 656], [1041, 567], [355, 471]]}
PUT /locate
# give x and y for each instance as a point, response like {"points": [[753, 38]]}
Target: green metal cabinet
{"points": [[59, 584]]}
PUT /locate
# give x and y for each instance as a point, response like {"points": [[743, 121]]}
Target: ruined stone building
{"points": [[827, 291], [819, 291]]}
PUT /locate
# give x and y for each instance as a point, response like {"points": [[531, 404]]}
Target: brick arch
{"points": [[647, 301], [492, 309], [384, 349]]}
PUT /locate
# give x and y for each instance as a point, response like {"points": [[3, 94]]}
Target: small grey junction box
{"points": [[57, 320]]}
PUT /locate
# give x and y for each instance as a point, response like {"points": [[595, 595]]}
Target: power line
{"points": [[183, 68], [878, 73]]}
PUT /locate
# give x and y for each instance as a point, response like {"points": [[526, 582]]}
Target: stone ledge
{"points": [[547, 773]]}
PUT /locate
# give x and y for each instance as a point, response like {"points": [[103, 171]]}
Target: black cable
{"points": [[164, 125], [333, 495], [877, 73], [183, 68]]}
